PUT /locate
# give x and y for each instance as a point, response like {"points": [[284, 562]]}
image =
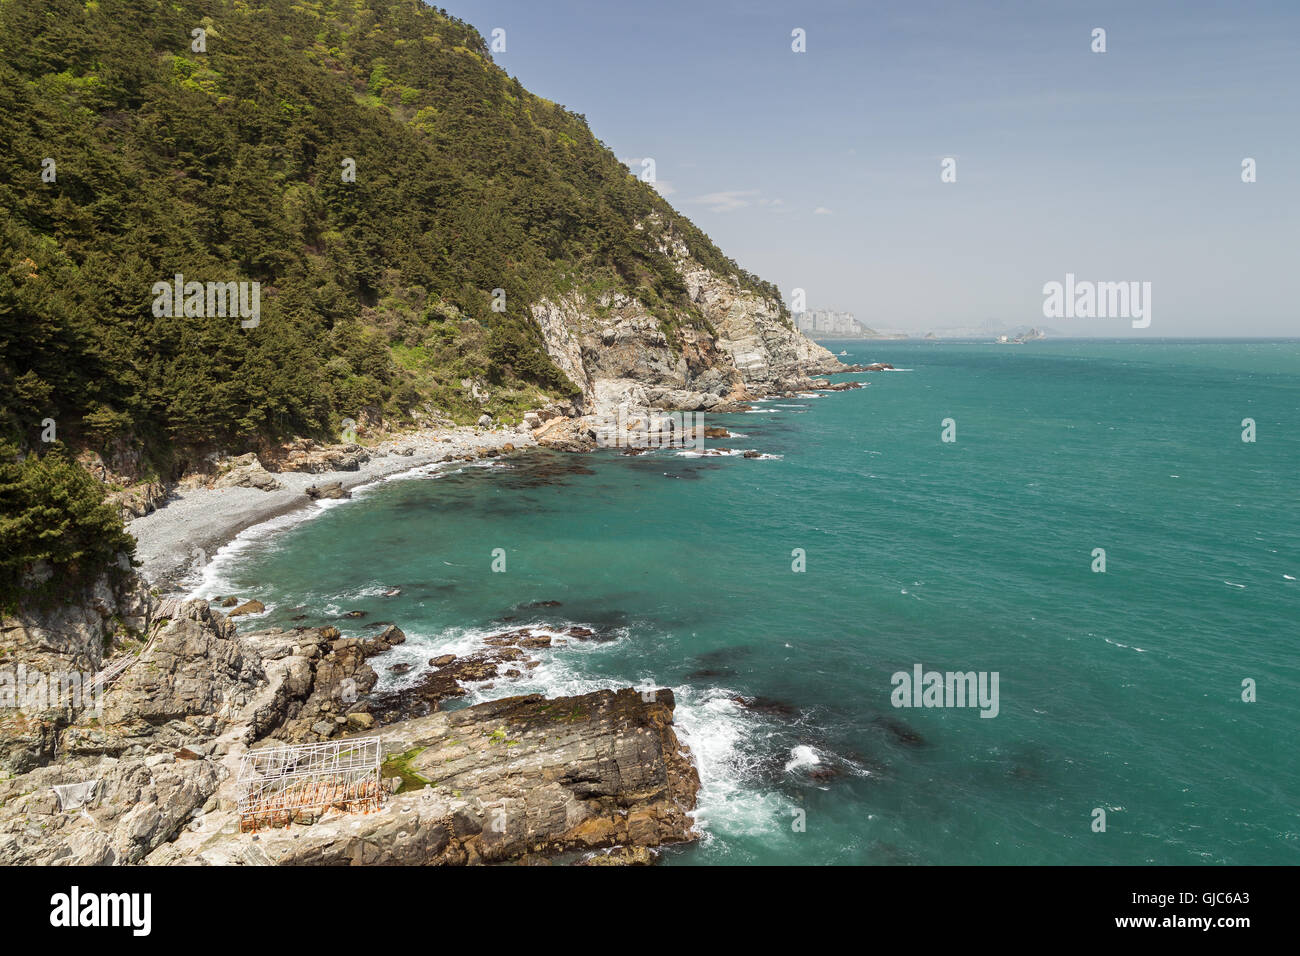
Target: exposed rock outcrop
{"points": [[738, 345], [304, 454], [497, 782], [246, 471], [132, 806], [567, 434], [330, 489], [151, 774]]}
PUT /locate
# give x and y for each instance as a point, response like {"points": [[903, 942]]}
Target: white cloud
{"points": [[822, 211], [726, 201], [729, 200]]}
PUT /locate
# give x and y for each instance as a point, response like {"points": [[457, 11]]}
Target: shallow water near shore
{"points": [[1119, 691]]}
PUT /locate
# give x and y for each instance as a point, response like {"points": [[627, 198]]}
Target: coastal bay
{"points": [[193, 523]]}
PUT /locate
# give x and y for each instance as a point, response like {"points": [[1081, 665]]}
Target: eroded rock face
{"points": [[196, 667], [619, 353], [76, 633], [140, 499], [304, 454], [190, 685], [508, 779], [137, 805], [123, 474], [48, 659]]}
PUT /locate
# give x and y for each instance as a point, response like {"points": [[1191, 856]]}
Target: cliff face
{"points": [[48, 655], [732, 344], [77, 633]]}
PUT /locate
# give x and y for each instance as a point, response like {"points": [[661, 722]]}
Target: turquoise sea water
{"points": [[1119, 691]]}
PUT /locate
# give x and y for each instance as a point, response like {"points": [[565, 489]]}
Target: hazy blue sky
{"points": [[821, 169]]}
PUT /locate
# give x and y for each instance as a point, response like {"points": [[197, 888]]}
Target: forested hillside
{"points": [[231, 165], [365, 162]]}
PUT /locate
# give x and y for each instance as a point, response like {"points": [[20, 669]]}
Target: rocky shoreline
{"points": [[150, 775]]}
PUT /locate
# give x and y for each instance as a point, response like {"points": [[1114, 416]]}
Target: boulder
{"points": [[567, 434], [389, 637], [330, 489], [360, 721], [248, 607], [246, 472]]}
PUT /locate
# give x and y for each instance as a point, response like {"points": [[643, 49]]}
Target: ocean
{"points": [[779, 596]]}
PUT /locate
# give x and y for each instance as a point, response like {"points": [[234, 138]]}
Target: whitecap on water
{"points": [[802, 756], [212, 579]]}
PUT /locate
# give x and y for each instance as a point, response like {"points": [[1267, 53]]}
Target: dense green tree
{"points": [[53, 518]]}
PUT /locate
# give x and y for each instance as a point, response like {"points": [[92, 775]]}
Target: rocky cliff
{"points": [[730, 344]]}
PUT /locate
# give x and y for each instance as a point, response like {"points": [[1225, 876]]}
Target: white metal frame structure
{"points": [[277, 783]]}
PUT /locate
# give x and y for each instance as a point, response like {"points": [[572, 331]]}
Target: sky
{"points": [[821, 170]]}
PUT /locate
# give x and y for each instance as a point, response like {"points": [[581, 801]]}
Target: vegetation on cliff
{"points": [[56, 530]]}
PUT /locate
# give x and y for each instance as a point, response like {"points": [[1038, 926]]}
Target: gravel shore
{"points": [[168, 540]]}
